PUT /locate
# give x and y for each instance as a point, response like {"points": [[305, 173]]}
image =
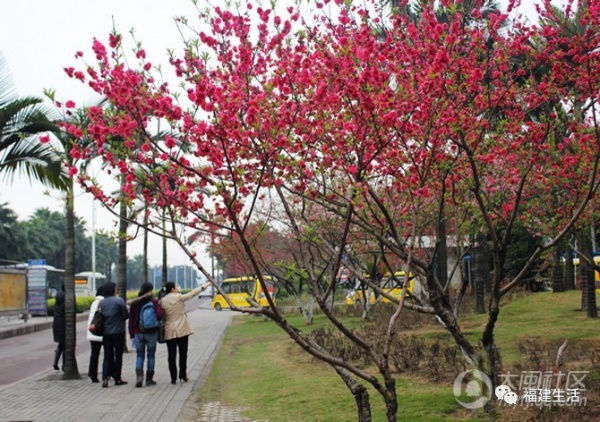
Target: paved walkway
{"points": [[45, 397]]}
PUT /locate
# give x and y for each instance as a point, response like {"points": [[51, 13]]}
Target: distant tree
{"points": [[13, 241], [136, 269]]}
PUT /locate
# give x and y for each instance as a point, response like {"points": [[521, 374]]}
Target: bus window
{"points": [[86, 283]]}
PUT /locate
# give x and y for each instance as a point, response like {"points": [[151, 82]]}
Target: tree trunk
{"points": [[480, 270], [71, 370], [489, 361], [592, 307], [442, 256], [588, 286], [587, 273], [464, 285], [557, 275], [165, 273], [361, 396], [145, 252], [583, 276], [122, 277], [569, 268]]}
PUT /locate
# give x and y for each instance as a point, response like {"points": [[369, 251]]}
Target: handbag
{"points": [[161, 331], [97, 324]]}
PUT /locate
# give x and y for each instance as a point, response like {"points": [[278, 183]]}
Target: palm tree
{"points": [[66, 142], [71, 371], [21, 121]]}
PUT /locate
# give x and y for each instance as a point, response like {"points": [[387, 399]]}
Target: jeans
{"points": [[143, 342], [173, 345]]}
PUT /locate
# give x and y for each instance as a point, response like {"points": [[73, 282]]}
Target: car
{"points": [[209, 292]]}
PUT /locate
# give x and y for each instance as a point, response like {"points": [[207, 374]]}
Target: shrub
{"points": [[82, 304]]}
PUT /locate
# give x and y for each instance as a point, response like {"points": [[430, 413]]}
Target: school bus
{"points": [[596, 273], [388, 284], [240, 289]]}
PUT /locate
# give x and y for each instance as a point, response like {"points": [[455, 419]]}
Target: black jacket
{"points": [[59, 323]]}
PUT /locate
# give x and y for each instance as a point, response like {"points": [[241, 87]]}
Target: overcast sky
{"points": [[38, 38]]}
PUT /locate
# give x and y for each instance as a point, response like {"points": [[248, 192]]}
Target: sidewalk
{"points": [[45, 397]]}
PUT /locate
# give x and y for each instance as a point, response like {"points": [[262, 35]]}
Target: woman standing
{"points": [[59, 327], [177, 328], [144, 340], [95, 341], [114, 311]]}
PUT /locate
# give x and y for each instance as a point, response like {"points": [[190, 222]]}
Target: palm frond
{"points": [[8, 91], [36, 161]]}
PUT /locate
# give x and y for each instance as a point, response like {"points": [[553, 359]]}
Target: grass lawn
{"points": [[261, 369]]}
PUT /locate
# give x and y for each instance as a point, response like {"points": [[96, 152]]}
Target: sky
{"points": [[39, 38]]}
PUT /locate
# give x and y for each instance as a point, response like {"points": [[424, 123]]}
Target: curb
{"points": [[26, 328]]}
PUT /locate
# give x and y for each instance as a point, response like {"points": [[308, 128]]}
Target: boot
{"points": [[140, 377], [56, 359], [149, 376]]}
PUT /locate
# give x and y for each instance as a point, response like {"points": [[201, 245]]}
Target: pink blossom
{"points": [[170, 142]]}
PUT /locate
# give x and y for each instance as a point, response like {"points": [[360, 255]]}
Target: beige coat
{"points": [[177, 323]]}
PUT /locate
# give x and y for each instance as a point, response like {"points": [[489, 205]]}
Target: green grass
{"points": [[261, 369], [546, 317]]}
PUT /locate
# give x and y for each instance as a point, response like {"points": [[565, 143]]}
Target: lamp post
{"points": [[94, 245]]}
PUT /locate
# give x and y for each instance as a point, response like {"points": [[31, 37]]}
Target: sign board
{"points": [[37, 291], [13, 292], [36, 262]]}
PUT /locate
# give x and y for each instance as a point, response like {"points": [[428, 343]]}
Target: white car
{"points": [[209, 292]]}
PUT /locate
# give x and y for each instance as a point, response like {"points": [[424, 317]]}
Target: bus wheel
{"points": [[218, 306]]}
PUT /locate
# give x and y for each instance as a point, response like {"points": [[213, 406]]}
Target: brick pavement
{"points": [[45, 397]]}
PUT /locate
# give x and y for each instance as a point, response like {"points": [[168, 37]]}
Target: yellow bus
{"points": [[388, 284], [240, 289], [596, 273]]}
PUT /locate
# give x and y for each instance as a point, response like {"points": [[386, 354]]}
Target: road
{"points": [[26, 355]]}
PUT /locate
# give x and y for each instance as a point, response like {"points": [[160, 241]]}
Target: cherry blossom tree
{"points": [[357, 142]]}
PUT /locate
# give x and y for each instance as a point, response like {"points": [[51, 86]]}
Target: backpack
{"points": [[148, 319]]}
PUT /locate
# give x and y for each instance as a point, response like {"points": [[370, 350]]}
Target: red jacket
{"points": [[134, 315]]}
